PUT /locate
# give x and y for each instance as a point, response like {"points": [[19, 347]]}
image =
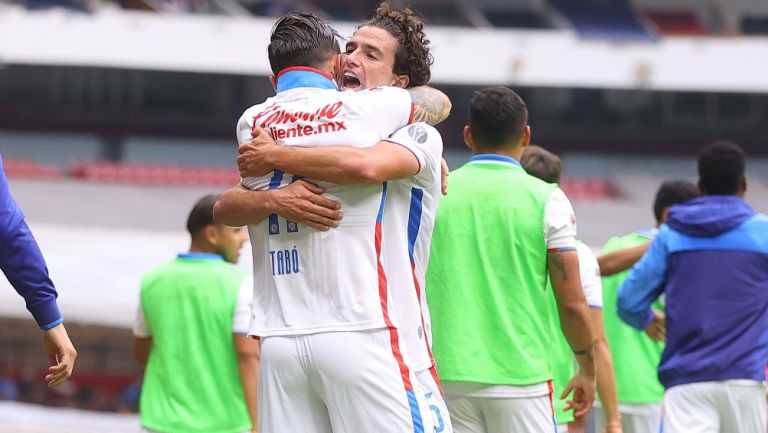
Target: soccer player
{"points": [[710, 261], [495, 236], [637, 355], [201, 369], [415, 197], [323, 302], [546, 166], [23, 264]]}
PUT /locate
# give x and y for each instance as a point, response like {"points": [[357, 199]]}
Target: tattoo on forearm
{"points": [[556, 260], [588, 351], [430, 105]]}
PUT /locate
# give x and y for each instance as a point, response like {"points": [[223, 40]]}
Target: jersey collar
{"points": [[649, 233], [200, 256], [303, 76], [496, 159]]}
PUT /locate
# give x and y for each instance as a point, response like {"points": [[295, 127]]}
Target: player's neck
{"points": [[514, 153], [197, 248], [304, 76]]}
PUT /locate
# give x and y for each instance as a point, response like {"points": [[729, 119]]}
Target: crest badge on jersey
{"points": [[418, 133]]}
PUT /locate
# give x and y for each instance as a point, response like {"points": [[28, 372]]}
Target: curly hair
{"points": [[412, 57]]}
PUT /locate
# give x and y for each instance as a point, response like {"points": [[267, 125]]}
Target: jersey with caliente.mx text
{"points": [[305, 280]]}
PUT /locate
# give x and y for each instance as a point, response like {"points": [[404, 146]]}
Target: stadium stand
{"points": [[105, 155], [604, 19], [676, 23], [754, 25]]}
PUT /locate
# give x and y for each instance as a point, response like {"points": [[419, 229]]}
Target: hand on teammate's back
{"points": [[444, 173], [252, 155], [303, 202], [61, 355], [657, 329], [583, 387]]}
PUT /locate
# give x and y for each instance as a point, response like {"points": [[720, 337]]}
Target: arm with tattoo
{"points": [[575, 324], [431, 105]]}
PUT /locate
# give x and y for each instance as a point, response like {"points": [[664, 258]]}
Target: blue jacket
{"points": [[22, 263], [711, 261]]}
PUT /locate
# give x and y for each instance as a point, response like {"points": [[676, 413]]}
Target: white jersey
{"points": [[589, 273], [408, 223], [308, 281]]}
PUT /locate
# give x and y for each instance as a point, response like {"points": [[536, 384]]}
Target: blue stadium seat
{"points": [[613, 19]]}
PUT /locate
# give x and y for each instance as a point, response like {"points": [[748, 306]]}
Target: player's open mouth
{"points": [[350, 81]]}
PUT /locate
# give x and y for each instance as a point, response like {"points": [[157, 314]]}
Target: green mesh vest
{"points": [[192, 383], [487, 276], [635, 355]]}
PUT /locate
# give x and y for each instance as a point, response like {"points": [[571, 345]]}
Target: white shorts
{"points": [[728, 406], [635, 418], [340, 382], [474, 414], [434, 395]]}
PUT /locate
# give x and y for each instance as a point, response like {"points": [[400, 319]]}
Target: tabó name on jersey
{"points": [[285, 262]]}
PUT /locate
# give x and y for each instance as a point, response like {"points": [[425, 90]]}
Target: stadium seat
{"points": [[685, 23], [612, 19], [588, 189], [29, 168], [154, 174]]}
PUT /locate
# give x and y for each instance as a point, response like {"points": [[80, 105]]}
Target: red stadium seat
{"points": [[681, 23], [154, 174], [30, 169], [588, 189]]}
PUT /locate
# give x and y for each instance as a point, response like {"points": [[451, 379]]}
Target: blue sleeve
{"points": [[644, 284], [22, 263]]}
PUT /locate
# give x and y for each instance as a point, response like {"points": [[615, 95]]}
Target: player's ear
{"points": [[401, 81], [338, 67], [664, 215], [273, 82], [468, 137], [211, 234], [525, 140], [743, 187]]}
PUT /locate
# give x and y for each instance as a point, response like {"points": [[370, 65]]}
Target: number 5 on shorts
{"points": [[436, 414]]}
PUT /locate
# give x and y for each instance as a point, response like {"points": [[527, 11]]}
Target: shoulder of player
{"points": [[421, 133], [159, 271], [259, 107], [375, 93]]}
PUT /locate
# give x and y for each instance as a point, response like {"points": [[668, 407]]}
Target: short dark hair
{"points": [[497, 115], [412, 56], [301, 39], [201, 215], [671, 193], [721, 168], [541, 163]]}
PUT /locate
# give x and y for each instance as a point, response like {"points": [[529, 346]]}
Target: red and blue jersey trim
{"points": [[405, 374], [414, 225]]}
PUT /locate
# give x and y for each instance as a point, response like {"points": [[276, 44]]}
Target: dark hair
{"points": [[497, 115], [412, 57], [541, 163], [301, 39], [201, 215], [721, 168], [671, 193]]}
